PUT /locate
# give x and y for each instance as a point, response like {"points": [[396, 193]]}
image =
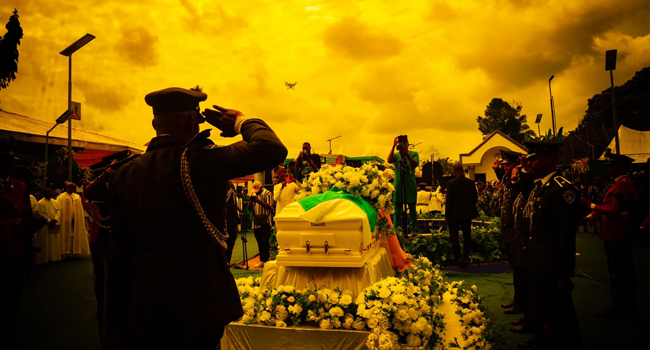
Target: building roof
{"points": [[27, 129], [496, 133]]}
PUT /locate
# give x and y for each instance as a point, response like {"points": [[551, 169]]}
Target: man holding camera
{"points": [[405, 193], [306, 162]]}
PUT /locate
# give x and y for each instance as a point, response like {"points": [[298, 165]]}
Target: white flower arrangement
{"points": [[399, 311], [472, 318], [367, 182]]}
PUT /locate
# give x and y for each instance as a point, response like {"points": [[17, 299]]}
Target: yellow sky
{"points": [[366, 70]]}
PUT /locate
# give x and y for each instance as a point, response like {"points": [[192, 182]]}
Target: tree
{"points": [[596, 129], [197, 88], [500, 115], [9, 51]]}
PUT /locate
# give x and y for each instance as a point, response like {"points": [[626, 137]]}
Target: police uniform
{"points": [[509, 192], [521, 233], [614, 216], [553, 212], [169, 284]]}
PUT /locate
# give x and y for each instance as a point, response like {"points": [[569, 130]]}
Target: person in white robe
{"points": [[74, 237], [48, 238], [423, 199], [437, 201], [284, 193]]}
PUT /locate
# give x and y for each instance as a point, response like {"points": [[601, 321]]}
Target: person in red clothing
{"points": [[614, 216]]}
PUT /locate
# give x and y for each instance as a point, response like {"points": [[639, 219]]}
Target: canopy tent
{"points": [[366, 159], [633, 143], [90, 147]]}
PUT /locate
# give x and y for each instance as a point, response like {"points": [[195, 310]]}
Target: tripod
{"points": [[242, 231], [404, 219]]}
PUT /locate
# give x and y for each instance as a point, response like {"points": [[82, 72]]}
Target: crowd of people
{"points": [[159, 222]]}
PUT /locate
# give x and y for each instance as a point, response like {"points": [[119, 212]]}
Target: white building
{"points": [[478, 163]]}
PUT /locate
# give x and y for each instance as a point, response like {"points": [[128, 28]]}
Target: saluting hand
{"points": [[223, 119]]}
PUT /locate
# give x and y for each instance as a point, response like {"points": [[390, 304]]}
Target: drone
{"points": [[290, 86]]}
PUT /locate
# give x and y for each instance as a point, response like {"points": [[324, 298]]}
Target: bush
{"points": [[487, 241]]}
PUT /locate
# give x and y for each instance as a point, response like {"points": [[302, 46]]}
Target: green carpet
{"points": [[58, 304]]}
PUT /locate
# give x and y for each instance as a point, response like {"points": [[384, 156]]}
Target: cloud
{"points": [[138, 46], [213, 20], [366, 70], [360, 41], [113, 98]]}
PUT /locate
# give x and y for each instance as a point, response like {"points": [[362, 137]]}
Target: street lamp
{"points": [[537, 121], [610, 65], [68, 51], [330, 141], [552, 106], [60, 120]]}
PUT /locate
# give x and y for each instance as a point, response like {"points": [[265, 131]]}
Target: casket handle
{"points": [[287, 249], [308, 247], [348, 250], [326, 247]]}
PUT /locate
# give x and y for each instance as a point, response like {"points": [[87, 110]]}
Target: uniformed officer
{"points": [[509, 191], [614, 216], [95, 202], [553, 210], [523, 177], [169, 286]]}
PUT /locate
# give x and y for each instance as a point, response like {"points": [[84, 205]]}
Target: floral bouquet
{"points": [[476, 327], [367, 182], [580, 165], [401, 311]]}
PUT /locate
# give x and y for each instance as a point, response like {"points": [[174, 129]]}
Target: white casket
{"points": [[335, 233]]}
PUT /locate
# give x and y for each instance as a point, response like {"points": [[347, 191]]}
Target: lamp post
{"points": [[330, 141], [552, 105], [68, 51], [610, 65], [537, 121], [60, 120]]}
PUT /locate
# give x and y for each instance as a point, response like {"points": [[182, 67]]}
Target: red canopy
{"points": [[89, 157]]}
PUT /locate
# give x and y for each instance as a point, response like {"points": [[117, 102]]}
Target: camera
{"points": [[399, 147]]}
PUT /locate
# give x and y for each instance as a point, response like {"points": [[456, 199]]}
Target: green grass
{"points": [[58, 304]]}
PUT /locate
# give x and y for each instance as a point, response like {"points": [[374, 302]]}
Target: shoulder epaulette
{"points": [[562, 181]]}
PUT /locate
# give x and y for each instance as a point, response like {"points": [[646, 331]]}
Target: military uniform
{"points": [[553, 212], [169, 284], [521, 227]]}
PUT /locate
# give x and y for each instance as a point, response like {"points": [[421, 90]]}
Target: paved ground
{"points": [[58, 305]]}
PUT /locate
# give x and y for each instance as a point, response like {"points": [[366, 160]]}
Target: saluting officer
{"points": [[169, 286], [615, 217], [509, 191], [523, 177], [553, 211]]}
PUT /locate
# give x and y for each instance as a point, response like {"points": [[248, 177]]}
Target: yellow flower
{"points": [[265, 316], [384, 293], [312, 298], [279, 323], [359, 325], [325, 324], [399, 298], [291, 299], [474, 289], [346, 299], [337, 311], [402, 315]]}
